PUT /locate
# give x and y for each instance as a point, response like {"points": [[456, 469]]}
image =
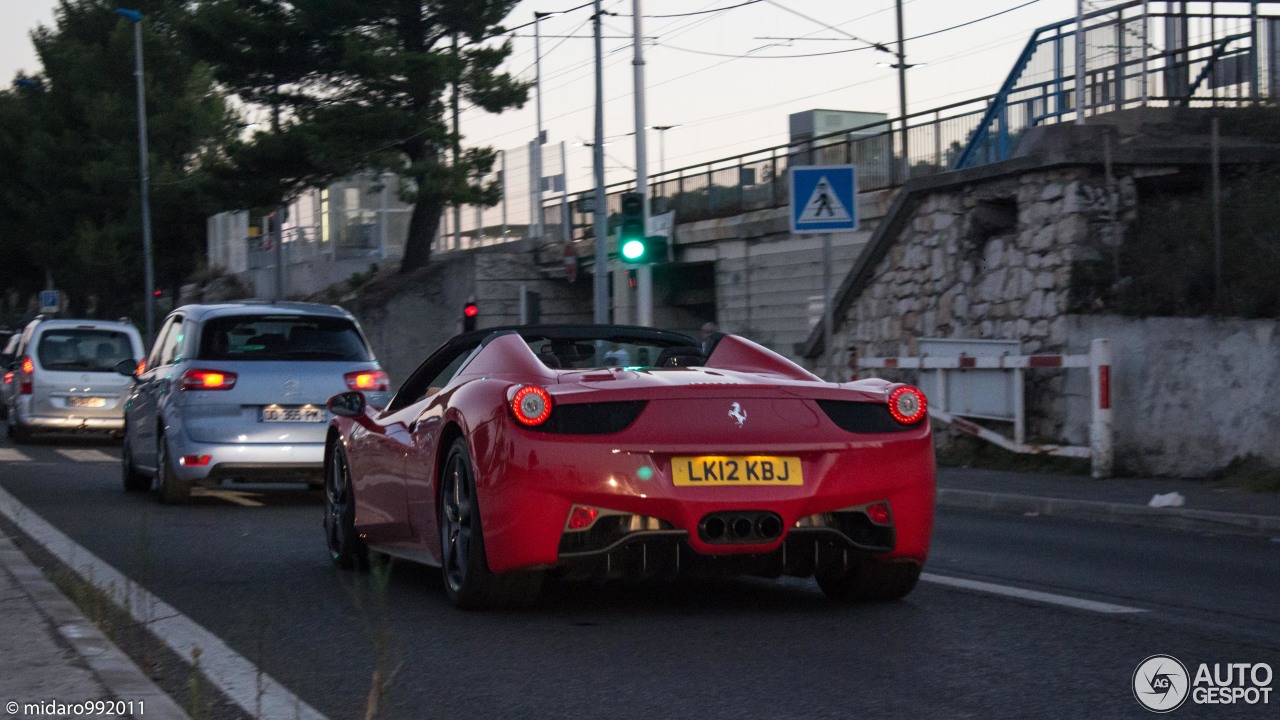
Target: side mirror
{"points": [[347, 404], [126, 368]]}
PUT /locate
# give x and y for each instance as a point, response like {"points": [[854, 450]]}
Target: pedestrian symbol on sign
{"points": [[824, 206], [824, 198]]}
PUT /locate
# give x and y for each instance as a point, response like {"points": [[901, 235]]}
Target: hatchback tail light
{"points": [[204, 379], [28, 369], [368, 380]]}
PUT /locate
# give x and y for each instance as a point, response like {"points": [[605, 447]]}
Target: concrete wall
{"points": [[1189, 394], [407, 316]]}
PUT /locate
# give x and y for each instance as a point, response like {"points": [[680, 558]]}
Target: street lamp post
{"points": [[662, 145], [536, 160], [135, 17]]}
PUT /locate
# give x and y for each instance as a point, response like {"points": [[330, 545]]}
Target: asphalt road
{"points": [[250, 566]]}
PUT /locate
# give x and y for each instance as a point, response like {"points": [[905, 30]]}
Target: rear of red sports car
{"points": [[742, 466]]}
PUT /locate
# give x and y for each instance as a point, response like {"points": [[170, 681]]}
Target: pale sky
{"points": [[724, 105]]}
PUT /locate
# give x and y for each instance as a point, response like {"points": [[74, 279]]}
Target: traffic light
{"points": [[470, 313], [634, 246]]}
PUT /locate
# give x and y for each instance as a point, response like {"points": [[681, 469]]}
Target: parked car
{"points": [[517, 452], [64, 378], [237, 392], [8, 367]]}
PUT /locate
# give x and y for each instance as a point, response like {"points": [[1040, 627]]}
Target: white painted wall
{"points": [[1189, 394]]}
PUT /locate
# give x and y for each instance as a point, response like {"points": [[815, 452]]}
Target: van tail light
{"points": [[368, 380], [28, 369], [202, 379]]}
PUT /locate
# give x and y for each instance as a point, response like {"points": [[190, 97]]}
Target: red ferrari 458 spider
{"points": [[626, 452]]}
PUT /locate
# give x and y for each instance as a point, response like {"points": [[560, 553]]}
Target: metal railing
{"points": [[1136, 54], [758, 180]]}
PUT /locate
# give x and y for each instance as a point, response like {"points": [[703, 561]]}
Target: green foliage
{"points": [[70, 141], [967, 451], [1167, 259], [1250, 473], [353, 85]]}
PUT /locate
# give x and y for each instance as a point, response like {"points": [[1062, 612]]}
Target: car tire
{"points": [[172, 491], [871, 580], [463, 564], [346, 550], [21, 434], [134, 481]]}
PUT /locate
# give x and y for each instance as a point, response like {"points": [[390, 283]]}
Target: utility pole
{"points": [[601, 286], [148, 269], [457, 151], [902, 95], [644, 274], [536, 160], [1080, 60]]}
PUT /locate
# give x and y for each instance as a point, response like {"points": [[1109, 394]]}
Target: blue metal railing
{"points": [[1137, 54]]}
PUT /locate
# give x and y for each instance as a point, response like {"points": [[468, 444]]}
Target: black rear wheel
{"points": [[463, 564], [871, 580], [346, 550], [134, 481], [20, 433], [172, 490]]}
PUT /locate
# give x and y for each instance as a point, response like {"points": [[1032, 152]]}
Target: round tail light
{"points": [[531, 405], [907, 405]]}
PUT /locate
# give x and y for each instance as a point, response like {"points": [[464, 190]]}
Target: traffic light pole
{"points": [[644, 274], [601, 284]]}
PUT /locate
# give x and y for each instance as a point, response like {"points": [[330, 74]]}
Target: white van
{"points": [[65, 376]]}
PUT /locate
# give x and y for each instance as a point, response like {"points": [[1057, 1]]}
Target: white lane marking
{"points": [[86, 455], [239, 497], [12, 455], [1033, 595], [257, 693]]}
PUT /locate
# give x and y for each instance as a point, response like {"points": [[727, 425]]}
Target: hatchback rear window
{"points": [[282, 337], [82, 349]]}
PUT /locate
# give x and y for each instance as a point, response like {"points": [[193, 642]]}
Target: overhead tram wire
{"points": [[686, 26], [849, 50]]}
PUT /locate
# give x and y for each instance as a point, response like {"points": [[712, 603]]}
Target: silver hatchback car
{"points": [[237, 391], [62, 376]]}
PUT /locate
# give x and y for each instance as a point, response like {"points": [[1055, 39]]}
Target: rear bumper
{"points": [[257, 462], [526, 497], [69, 422]]}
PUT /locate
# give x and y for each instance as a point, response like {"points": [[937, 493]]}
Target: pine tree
{"points": [[355, 85]]}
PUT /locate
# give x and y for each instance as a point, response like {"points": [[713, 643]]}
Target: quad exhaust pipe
{"points": [[740, 527]]}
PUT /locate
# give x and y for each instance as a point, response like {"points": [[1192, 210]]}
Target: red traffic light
{"points": [[157, 293], [470, 310]]}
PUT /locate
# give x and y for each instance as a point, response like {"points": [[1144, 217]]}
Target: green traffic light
{"points": [[633, 249]]}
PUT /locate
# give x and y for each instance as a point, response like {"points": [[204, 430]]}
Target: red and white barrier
{"points": [[1098, 360]]}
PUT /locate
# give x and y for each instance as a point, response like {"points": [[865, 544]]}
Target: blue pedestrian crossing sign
{"points": [[824, 198]]}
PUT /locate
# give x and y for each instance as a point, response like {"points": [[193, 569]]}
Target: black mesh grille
{"points": [[862, 417], [592, 418]]}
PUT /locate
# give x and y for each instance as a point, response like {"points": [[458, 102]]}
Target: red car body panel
{"points": [[527, 479]]}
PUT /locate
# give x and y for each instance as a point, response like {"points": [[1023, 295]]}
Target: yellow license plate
{"points": [[722, 470]]}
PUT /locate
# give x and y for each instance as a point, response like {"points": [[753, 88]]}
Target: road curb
{"points": [[117, 673], [1174, 518]]}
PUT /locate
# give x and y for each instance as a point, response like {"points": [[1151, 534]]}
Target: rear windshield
{"points": [[282, 337], [82, 349]]}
